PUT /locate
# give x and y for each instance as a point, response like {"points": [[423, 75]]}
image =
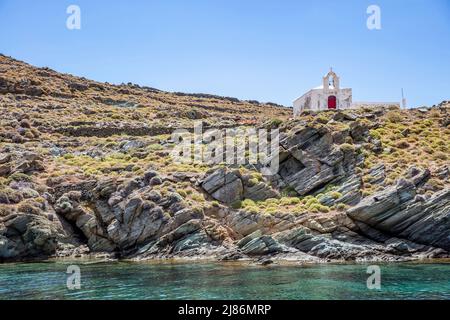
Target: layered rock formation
{"points": [[366, 185]]}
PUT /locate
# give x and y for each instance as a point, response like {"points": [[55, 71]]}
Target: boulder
{"points": [[133, 144], [25, 236], [245, 223], [359, 131], [241, 243], [224, 185], [259, 192], [261, 246]]}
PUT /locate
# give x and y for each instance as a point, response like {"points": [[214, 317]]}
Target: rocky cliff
{"points": [[85, 169]]}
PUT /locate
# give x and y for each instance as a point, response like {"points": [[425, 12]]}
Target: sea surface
{"points": [[159, 281]]}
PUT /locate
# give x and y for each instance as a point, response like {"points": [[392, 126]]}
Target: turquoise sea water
{"points": [[122, 280]]}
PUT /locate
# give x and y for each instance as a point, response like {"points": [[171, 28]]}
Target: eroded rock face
{"points": [[312, 159], [399, 212], [34, 235], [262, 245], [245, 223], [230, 186], [133, 219], [83, 219], [26, 235], [20, 162], [224, 185], [47, 211], [141, 222]]}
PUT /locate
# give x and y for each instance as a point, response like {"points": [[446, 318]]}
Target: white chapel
{"points": [[329, 95]]}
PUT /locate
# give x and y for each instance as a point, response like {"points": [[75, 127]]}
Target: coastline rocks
{"points": [[260, 191], [262, 245], [134, 220], [245, 223], [5, 170], [181, 232], [26, 235], [397, 211], [339, 246], [142, 222], [83, 220]]}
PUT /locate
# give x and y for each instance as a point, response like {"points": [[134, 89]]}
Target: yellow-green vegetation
{"points": [[191, 195], [79, 127], [116, 163], [347, 147], [408, 139], [79, 103], [294, 205]]}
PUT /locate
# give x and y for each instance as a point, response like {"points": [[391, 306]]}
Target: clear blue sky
{"points": [[251, 49]]}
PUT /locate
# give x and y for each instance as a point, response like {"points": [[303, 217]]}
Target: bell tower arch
{"points": [[331, 81]]}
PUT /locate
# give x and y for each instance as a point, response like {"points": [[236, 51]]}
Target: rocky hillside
{"points": [[85, 169]]}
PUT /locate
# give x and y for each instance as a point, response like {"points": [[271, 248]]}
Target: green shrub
{"points": [[18, 176], [252, 182], [155, 147], [236, 205], [347, 147], [394, 116], [288, 192], [285, 201], [198, 197], [335, 195], [182, 193], [248, 203], [275, 123], [320, 208]]}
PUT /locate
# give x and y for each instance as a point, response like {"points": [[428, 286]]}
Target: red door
{"points": [[332, 102]]}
